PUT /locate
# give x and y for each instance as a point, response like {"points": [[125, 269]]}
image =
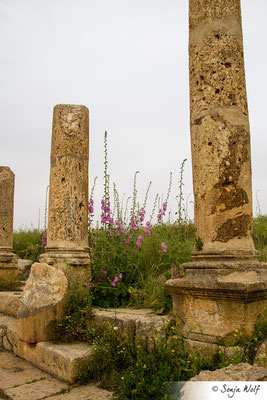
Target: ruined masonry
{"points": [[225, 285], [67, 234], [8, 260]]}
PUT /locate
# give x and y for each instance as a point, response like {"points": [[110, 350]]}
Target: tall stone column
{"points": [[67, 233], [225, 285], [8, 260]]}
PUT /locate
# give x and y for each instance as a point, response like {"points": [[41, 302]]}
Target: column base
{"points": [[215, 299], [62, 258], [8, 265]]}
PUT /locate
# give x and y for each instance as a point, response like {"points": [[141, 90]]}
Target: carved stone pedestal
{"points": [[216, 298]]}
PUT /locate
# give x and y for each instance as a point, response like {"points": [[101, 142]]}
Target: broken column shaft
{"points": [[219, 123], [67, 234], [8, 260]]}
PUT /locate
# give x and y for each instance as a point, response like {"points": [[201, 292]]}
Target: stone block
{"points": [[42, 302], [137, 322], [214, 306], [60, 360], [10, 302]]}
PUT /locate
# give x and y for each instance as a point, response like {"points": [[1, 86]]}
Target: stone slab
{"points": [[37, 390], [15, 371], [84, 393]]}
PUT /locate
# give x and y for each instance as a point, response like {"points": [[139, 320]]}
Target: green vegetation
{"points": [[27, 243], [260, 236], [141, 271]]}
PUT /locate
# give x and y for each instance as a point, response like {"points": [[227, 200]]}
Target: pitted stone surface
{"points": [[42, 301], [8, 260], [7, 182], [67, 234], [68, 196], [219, 127]]}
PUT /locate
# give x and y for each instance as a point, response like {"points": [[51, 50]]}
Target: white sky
{"points": [[127, 61]]}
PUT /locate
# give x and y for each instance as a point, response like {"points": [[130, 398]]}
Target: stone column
{"points": [[67, 234], [8, 260], [225, 282]]}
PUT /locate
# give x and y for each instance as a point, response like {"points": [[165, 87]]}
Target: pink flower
{"points": [[113, 284], [104, 271], [139, 244], [120, 275], [147, 231], [177, 276], [141, 238], [164, 247]]}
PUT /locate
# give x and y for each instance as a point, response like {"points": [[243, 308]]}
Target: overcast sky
{"points": [[127, 61]]}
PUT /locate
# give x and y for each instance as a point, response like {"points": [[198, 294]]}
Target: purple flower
{"points": [[116, 279], [113, 284], [139, 244], [177, 276], [91, 209], [104, 271], [164, 247], [147, 231]]}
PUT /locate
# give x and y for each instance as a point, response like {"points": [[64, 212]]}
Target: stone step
{"points": [[59, 360], [139, 322], [19, 380], [143, 322]]}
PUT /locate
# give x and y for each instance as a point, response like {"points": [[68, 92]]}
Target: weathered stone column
{"points": [[8, 260], [224, 287], [67, 234]]}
